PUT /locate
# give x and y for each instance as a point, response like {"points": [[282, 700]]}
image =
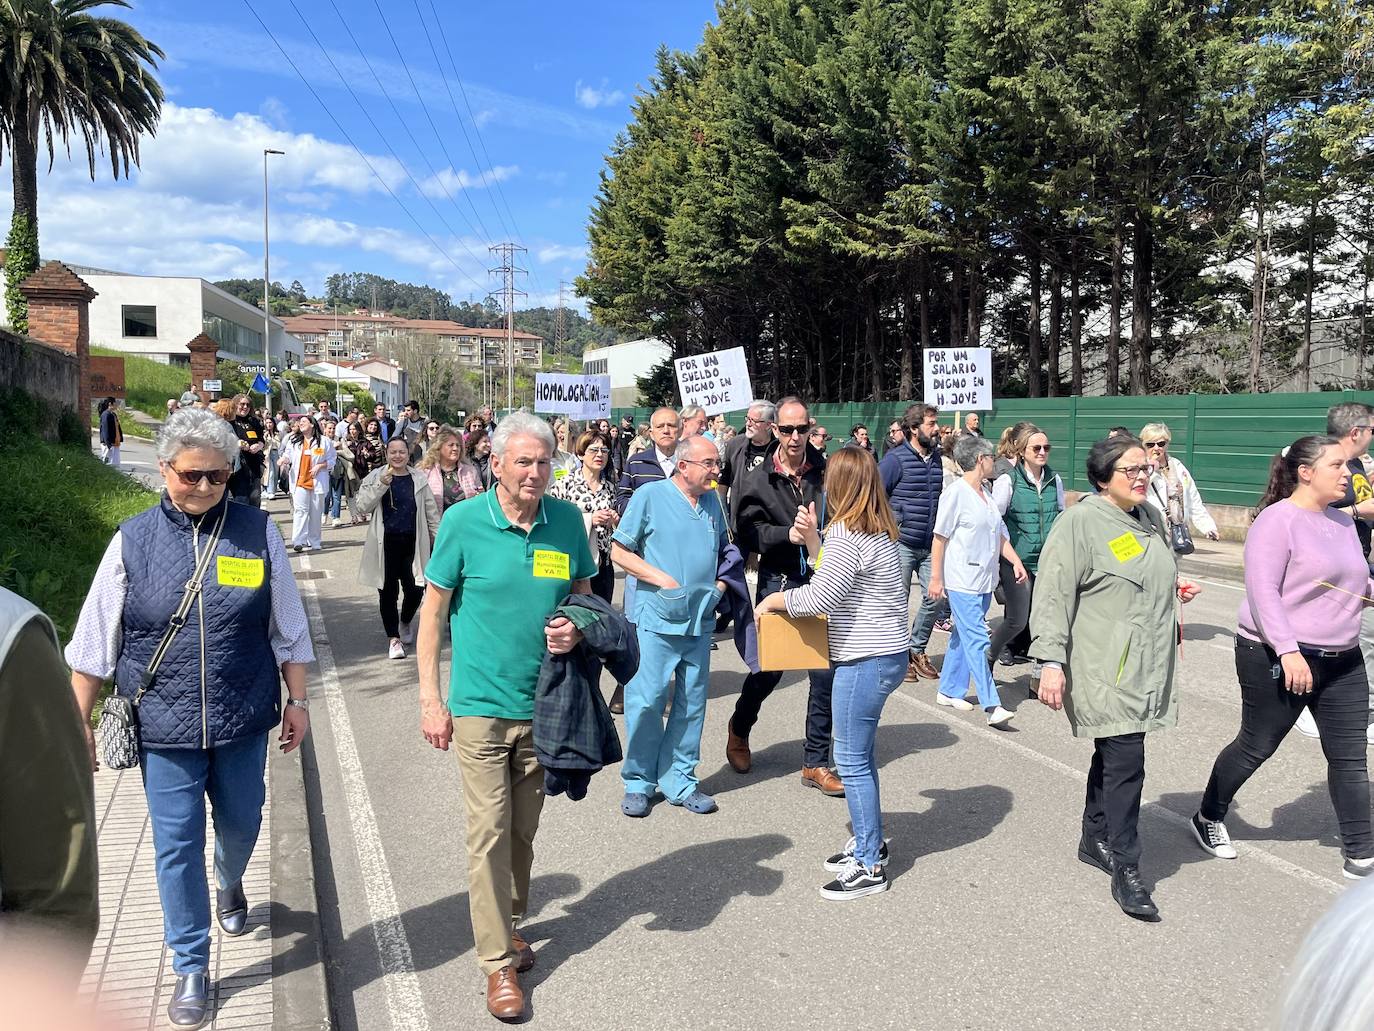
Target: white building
{"points": [[385, 381], [156, 316], [625, 363]]}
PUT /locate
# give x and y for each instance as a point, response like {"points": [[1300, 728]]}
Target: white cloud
{"points": [[448, 182], [274, 112], [592, 97], [562, 252]]}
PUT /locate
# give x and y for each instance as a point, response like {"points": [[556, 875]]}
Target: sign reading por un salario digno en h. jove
{"points": [[958, 377]]}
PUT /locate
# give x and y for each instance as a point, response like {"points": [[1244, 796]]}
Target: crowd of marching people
{"points": [[525, 524]]}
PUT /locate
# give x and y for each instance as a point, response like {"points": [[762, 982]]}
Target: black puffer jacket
{"points": [[574, 733]]}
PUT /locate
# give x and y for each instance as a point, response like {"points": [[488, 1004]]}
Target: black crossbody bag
{"points": [[117, 731]]}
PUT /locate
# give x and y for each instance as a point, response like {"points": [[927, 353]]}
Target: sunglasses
{"points": [[1040, 449], [192, 477], [1156, 443], [1132, 471], [597, 451], [793, 431]]}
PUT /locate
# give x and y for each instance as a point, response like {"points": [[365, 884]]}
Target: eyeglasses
{"points": [[709, 463], [1132, 471], [794, 431], [192, 477], [597, 451], [1156, 443], [1039, 449]]}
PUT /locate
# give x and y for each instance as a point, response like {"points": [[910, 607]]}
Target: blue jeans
{"points": [[967, 655], [176, 782], [917, 561], [659, 756], [861, 688], [333, 501]]}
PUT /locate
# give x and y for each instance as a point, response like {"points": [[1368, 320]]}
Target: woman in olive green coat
{"points": [[1105, 624]]}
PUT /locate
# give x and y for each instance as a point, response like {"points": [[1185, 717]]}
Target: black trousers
{"points": [[1116, 778], [603, 584], [1014, 630], [398, 554], [758, 686], [1339, 701], [245, 485]]}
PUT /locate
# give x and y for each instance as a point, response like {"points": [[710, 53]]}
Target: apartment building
{"points": [[353, 335]]}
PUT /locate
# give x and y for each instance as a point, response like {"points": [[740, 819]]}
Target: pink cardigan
{"points": [[468, 478]]}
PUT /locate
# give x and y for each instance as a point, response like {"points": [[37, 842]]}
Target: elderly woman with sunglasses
{"points": [[1030, 496], [206, 706], [1172, 490]]}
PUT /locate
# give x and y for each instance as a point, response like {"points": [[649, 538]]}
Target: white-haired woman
{"points": [[969, 537], [307, 459], [1172, 491], [207, 693]]}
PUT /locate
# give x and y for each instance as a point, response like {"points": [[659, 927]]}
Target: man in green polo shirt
{"points": [[502, 563]]}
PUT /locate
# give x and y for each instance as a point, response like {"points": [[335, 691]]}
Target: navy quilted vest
{"points": [[219, 681], [916, 497]]}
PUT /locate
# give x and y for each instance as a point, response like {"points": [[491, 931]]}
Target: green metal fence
{"points": [[1225, 440]]}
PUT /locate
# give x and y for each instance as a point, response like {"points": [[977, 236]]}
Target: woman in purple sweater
{"points": [[1298, 645]]}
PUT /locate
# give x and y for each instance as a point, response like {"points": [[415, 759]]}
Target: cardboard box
{"points": [[788, 643]]}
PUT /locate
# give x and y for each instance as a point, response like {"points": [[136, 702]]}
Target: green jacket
{"points": [[1031, 514], [1105, 607]]}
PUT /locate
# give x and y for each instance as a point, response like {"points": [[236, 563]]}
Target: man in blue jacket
{"points": [[912, 476], [657, 463]]}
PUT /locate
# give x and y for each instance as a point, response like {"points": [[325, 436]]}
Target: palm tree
{"points": [[65, 72]]}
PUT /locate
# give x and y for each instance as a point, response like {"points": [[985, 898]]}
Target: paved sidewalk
{"points": [[130, 972]]}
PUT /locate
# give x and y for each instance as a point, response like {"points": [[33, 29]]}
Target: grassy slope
{"points": [[61, 507], [148, 384]]}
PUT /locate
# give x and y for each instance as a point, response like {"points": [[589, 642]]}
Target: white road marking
{"points": [[1001, 740], [403, 995], [1218, 583]]}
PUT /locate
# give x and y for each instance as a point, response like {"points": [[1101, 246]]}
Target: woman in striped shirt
{"points": [[859, 587]]}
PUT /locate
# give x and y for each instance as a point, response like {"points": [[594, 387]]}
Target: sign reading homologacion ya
{"points": [[958, 377], [718, 382], [579, 397]]}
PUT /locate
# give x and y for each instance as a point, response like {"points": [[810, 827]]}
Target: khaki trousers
{"points": [[503, 793]]}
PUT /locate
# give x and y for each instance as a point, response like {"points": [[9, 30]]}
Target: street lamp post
{"points": [[267, 293]]}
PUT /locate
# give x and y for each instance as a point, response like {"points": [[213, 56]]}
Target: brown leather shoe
{"points": [[920, 662], [824, 778], [505, 1000], [737, 752], [617, 704], [524, 955], [911, 673]]}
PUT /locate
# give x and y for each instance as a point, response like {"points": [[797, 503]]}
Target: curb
{"points": [[300, 992]]}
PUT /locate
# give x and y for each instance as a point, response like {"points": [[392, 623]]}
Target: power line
{"points": [[396, 111], [429, 118], [344, 133], [443, 36]]}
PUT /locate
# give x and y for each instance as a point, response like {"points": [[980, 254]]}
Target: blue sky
{"points": [[548, 84]]}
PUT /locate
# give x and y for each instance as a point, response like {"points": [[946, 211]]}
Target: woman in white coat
{"points": [[398, 541], [1172, 490], [306, 459]]}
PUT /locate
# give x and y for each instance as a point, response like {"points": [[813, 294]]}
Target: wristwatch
{"points": [[299, 703]]}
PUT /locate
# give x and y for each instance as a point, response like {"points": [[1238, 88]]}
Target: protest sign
{"points": [[718, 382], [958, 378], [579, 397]]}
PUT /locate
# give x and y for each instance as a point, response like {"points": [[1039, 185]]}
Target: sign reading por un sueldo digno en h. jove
{"points": [[578, 397], [718, 382], [958, 378]]}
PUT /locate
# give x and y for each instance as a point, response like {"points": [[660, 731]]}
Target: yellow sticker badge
{"points": [[559, 474], [1125, 547], [239, 572], [551, 565]]}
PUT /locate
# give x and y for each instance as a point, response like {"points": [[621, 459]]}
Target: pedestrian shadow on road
{"points": [[956, 817], [683, 891], [784, 758], [1206, 632]]}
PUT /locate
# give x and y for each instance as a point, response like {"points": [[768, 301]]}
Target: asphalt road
{"points": [[684, 921]]}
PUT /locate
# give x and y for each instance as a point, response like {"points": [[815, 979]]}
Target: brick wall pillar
{"points": [[59, 316], [204, 350]]}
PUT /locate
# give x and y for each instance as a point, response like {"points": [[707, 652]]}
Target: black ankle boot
{"points": [[1094, 852], [1130, 894], [190, 1001]]}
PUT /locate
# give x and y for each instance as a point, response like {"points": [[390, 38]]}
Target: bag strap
{"points": [[178, 620]]}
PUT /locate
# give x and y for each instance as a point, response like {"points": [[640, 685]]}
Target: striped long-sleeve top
{"points": [[858, 586]]}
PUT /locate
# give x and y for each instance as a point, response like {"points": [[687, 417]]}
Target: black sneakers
{"points": [[1212, 836], [1357, 869], [1094, 852], [836, 862], [854, 882]]}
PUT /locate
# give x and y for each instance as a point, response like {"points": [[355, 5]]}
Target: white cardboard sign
{"points": [[718, 382], [958, 378], [579, 397]]}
